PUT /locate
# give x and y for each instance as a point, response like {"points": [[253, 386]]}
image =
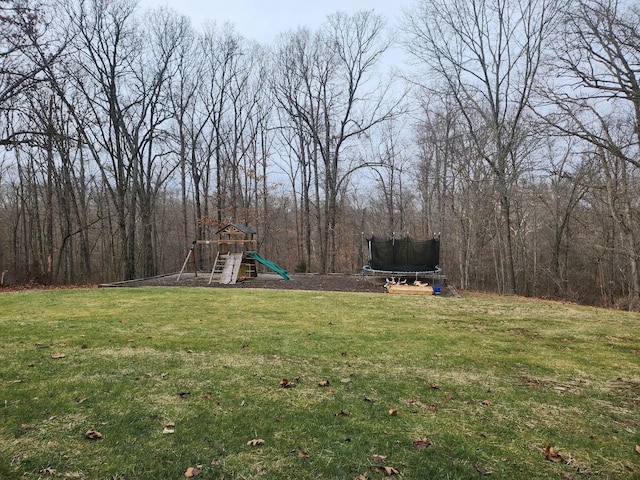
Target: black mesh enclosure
{"points": [[404, 255]]}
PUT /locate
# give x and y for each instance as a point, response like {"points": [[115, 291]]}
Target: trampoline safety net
{"points": [[404, 254]]}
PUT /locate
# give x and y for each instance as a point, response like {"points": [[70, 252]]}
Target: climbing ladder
{"points": [[218, 266]]}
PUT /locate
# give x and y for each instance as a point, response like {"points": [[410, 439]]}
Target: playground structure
{"points": [[235, 256], [407, 266]]}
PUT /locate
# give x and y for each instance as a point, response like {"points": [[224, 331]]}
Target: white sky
{"points": [[263, 20]]}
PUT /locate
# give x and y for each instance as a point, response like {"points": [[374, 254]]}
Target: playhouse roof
{"points": [[236, 229]]}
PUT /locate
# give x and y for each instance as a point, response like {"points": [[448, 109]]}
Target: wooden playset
{"points": [[235, 255]]}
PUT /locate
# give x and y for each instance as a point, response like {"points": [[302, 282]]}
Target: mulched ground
{"points": [[314, 282]]}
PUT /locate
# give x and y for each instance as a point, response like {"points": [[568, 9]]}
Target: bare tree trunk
{"points": [[50, 132]]}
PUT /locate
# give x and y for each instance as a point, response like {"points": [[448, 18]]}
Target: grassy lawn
{"points": [[428, 387]]}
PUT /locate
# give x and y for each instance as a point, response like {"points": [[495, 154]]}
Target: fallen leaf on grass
{"points": [[58, 355], [483, 470], [369, 399], [284, 383], [193, 471], [487, 403], [389, 471], [393, 412], [434, 385], [362, 476], [167, 430], [342, 413], [92, 435], [422, 443], [302, 454], [255, 442], [379, 458], [412, 403], [551, 455], [323, 383], [638, 449]]}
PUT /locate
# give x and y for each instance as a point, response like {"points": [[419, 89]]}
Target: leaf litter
{"points": [[422, 443], [193, 471], [92, 435]]}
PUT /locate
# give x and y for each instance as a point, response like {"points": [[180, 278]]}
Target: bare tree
{"points": [[296, 61], [222, 52], [258, 142], [569, 177], [390, 158], [38, 125], [62, 187], [486, 53], [326, 83], [122, 84], [596, 95], [183, 99], [147, 134], [246, 124], [22, 24], [106, 47]]}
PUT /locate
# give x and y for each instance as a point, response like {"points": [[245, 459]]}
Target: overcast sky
{"points": [[263, 20]]}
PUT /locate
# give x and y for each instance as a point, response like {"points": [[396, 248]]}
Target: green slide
{"points": [[269, 264]]}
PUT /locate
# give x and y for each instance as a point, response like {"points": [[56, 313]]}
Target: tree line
{"points": [[512, 132]]}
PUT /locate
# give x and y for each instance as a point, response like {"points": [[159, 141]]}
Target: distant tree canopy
{"points": [[514, 133]]}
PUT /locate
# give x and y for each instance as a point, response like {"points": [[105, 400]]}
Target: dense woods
{"points": [[513, 132]]}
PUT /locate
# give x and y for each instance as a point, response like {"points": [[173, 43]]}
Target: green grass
{"points": [[513, 376]]}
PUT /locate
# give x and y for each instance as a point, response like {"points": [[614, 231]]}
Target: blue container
{"points": [[436, 290]]}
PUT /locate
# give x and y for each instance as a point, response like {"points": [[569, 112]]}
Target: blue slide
{"points": [[269, 264]]}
